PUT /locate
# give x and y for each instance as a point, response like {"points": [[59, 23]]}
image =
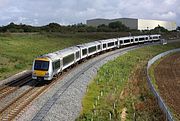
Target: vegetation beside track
{"points": [[120, 90], [17, 50]]}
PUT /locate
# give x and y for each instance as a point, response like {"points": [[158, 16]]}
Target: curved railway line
{"points": [[10, 111]]}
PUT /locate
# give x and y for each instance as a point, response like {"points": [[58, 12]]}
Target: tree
{"points": [[160, 29], [117, 25], [103, 28], [178, 28]]}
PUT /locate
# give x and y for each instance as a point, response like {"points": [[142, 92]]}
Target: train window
{"points": [[126, 40], [150, 37], [121, 41], [131, 40], [99, 47], [56, 65], [92, 49], [116, 42], [68, 59], [41, 65], [77, 55], [136, 39], [155, 37], [104, 45], [140, 39], [84, 51], [110, 44], [146, 38]]}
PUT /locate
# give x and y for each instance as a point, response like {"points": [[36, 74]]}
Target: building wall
{"points": [[96, 22], [131, 23], [151, 24], [140, 24]]}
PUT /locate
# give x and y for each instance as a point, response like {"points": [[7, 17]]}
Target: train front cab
{"points": [[42, 69]]}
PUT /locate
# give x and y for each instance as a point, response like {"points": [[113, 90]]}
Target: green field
{"points": [[120, 88], [17, 51]]}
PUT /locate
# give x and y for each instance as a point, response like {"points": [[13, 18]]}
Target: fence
{"points": [[161, 103]]}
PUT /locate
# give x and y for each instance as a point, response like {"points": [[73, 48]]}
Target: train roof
{"points": [[124, 38], [155, 35], [60, 53], [143, 36], [108, 40], [89, 44]]}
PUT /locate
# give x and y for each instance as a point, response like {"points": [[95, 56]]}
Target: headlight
{"points": [[34, 74], [46, 74]]}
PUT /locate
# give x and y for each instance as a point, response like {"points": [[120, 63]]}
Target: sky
{"points": [[65, 12]]}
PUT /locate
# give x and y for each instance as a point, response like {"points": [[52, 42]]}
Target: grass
{"points": [[151, 72], [17, 51], [121, 84]]}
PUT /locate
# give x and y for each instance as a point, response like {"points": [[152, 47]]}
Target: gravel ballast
{"points": [[62, 102], [15, 77]]}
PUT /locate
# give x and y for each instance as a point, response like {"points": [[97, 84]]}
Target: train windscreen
{"points": [[41, 65]]}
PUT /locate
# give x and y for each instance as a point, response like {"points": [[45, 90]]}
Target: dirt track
{"points": [[167, 75]]}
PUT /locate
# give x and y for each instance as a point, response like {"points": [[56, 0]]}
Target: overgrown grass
{"points": [[151, 73], [120, 84], [17, 51]]}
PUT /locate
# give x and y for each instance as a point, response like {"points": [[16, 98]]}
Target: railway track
{"points": [[10, 111], [12, 86]]}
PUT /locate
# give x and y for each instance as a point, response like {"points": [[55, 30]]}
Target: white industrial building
{"points": [[138, 24]]}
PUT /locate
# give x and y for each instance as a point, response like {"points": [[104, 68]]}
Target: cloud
{"points": [[3, 3], [170, 2], [166, 16], [41, 12]]}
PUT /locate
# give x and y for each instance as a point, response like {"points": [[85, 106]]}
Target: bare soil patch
{"points": [[144, 103], [167, 75]]}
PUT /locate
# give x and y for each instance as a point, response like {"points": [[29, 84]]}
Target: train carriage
{"points": [[109, 44], [89, 49], [141, 39], [136, 39], [146, 38], [47, 66], [125, 40], [155, 37]]}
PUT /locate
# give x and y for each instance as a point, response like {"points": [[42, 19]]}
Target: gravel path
{"points": [[62, 102]]}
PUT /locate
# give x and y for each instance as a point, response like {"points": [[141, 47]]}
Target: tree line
{"points": [[55, 27]]}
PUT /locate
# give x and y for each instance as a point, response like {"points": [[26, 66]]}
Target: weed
{"points": [[115, 77]]}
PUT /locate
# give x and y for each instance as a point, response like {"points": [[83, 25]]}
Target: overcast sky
{"points": [[41, 12]]}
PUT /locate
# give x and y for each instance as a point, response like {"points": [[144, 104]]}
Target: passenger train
{"points": [[47, 66]]}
